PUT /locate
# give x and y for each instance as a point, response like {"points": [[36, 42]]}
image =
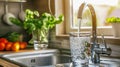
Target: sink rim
{"points": [[35, 52]]}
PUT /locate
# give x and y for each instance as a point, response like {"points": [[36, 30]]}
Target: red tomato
{"points": [[4, 40], [2, 46], [23, 45], [8, 46]]}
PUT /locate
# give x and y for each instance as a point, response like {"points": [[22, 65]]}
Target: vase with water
{"points": [[40, 39]]}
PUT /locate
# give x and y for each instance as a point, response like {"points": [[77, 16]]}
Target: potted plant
{"points": [[115, 22], [38, 26]]}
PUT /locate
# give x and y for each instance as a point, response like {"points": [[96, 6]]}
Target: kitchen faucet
{"points": [[96, 50]]}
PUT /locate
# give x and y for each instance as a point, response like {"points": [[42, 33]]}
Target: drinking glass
{"points": [[80, 49]]}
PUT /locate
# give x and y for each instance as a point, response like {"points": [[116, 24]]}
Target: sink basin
{"points": [[104, 62], [107, 62], [42, 58], [52, 58], [110, 62]]}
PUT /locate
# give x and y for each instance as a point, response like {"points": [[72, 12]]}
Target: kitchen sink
{"points": [[42, 58], [107, 62], [53, 58]]}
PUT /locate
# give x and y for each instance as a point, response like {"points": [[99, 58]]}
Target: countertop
{"points": [[4, 63], [24, 50]]}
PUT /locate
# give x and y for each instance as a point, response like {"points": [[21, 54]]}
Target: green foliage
{"points": [[13, 36], [113, 20], [16, 21], [33, 21]]}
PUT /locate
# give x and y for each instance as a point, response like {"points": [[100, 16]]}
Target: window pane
{"points": [[103, 9]]}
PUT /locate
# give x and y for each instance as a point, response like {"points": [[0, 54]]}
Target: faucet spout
{"points": [[95, 53], [93, 19]]}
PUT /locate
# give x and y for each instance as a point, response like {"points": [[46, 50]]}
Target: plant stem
{"points": [[38, 35]]}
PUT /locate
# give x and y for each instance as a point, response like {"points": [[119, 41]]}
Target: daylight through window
{"points": [[103, 9]]}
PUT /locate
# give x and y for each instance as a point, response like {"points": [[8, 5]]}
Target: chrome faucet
{"points": [[96, 50]]}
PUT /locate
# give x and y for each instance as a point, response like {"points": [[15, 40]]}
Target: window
{"points": [[103, 9]]}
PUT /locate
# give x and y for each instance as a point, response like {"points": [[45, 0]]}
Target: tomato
{"points": [[23, 45], [8, 46], [16, 46], [4, 40], [2, 46]]}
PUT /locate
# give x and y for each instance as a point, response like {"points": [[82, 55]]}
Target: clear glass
{"points": [[38, 45], [80, 49], [40, 40]]}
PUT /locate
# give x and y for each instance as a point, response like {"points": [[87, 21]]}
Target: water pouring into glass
{"points": [[80, 43]]}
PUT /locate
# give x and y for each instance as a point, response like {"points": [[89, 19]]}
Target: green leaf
{"points": [[113, 20], [39, 24], [13, 37], [36, 13], [16, 21], [29, 26], [33, 21]]}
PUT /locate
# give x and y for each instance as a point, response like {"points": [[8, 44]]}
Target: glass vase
{"points": [[40, 39]]}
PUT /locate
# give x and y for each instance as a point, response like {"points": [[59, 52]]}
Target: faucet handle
{"points": [[103, 41], [108, 51]]}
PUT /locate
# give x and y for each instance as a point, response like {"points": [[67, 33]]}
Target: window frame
{"points": [[100, 30], [67, 9]]}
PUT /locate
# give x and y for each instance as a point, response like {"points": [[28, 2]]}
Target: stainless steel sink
{"points": [[52, 58], [40, 58], [107, 62]]}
